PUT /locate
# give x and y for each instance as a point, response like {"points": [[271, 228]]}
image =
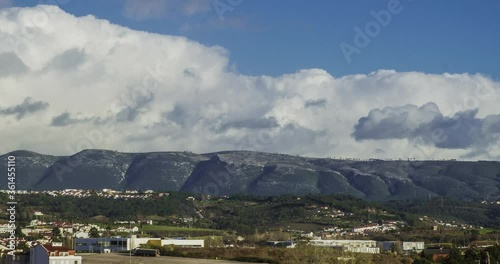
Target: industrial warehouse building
{"points": [[358, 246], [404, 246], [135, 242], [115, 244]]}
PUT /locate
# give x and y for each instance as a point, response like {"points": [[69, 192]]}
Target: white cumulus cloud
{"points": [[92, 84]]}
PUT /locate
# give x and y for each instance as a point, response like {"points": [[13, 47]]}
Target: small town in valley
{"points": [[348, 233]]}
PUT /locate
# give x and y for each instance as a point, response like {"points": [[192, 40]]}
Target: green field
{"points": [[163, 228], [484, 231]]}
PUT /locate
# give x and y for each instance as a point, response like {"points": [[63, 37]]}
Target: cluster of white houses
{"points": [[77, 230], [107, 193]]}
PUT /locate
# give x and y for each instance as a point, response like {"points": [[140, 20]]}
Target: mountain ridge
{"points": [[256, 173]]}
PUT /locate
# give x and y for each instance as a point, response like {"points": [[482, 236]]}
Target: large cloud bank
{"points": [[427, 125], [68, 83]]}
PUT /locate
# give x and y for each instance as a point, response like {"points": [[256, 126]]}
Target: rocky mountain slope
{"points": [[244, 172]]}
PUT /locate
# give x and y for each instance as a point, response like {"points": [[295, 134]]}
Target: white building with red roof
{"points": [[53, 253]]}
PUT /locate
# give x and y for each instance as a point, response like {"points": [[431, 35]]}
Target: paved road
{"points": [[114, 258]]}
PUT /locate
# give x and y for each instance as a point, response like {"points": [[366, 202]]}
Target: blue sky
{"points": [[278, 37]]}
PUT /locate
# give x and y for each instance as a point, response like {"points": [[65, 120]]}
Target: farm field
{"points": [[149, 228]]}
